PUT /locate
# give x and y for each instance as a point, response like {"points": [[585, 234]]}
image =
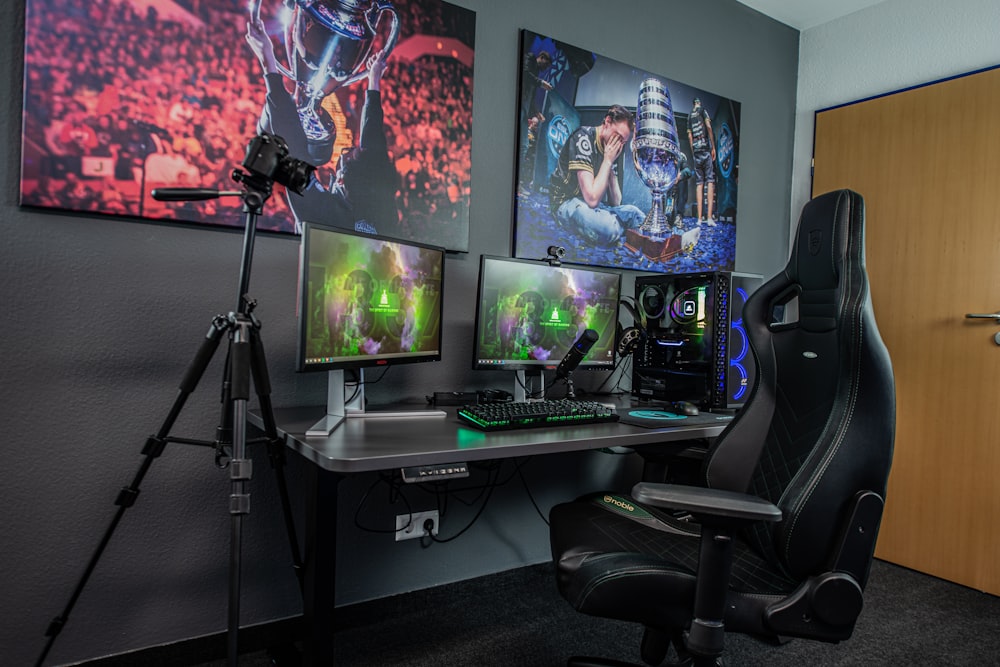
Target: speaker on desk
{"points": [[691, 344]]}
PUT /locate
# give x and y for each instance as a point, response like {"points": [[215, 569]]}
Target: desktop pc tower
{"points": [[692, 345]]}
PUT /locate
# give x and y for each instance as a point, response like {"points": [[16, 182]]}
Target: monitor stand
{"points": [[523, 391], [339, 408]]}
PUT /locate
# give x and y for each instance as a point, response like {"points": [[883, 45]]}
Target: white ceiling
{"points": [[805, 14]]}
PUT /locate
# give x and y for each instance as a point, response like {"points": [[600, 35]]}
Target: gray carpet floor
{"points": [[517, 618]]}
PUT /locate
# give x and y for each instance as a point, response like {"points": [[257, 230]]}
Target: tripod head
{"points": [[267, 162], [256, 190]]}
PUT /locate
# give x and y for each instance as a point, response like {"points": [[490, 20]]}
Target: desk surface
{"points": [[367, 444]]}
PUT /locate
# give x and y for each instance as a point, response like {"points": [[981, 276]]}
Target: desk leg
{"points": [[319, 583]]}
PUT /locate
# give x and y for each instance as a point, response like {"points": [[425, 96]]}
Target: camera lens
{"points": [[294, 174]]}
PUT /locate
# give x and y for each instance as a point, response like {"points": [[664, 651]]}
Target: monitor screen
{"points": [[366, 300], [529, 313]]}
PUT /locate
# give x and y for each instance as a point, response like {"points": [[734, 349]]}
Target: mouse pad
{"points": [[651, 418]]}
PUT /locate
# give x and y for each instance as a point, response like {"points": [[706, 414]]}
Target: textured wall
{"points": [[103, 315], [895, 44]]}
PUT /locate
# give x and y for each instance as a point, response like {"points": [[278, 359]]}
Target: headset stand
{"points": [[244, 360]]}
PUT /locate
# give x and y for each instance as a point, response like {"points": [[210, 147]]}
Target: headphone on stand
{"points": [[628, 338]]}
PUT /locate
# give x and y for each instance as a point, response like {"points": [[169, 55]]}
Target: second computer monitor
{"points": [[529, 313]]}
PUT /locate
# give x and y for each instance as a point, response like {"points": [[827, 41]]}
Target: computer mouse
{"points": [[686, 408]]}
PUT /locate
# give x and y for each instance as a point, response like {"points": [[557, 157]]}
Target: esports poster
{"points": [[621, 167], [122, 97]]}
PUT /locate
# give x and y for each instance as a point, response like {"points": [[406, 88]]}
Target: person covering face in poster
{"points": [[585, 194]]}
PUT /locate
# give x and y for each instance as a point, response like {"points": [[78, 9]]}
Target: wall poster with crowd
{"points": [[122, 97], [622, 167]]}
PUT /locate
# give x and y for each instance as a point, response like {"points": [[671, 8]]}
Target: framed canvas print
{"points": [[620, 167], [122, 97]]}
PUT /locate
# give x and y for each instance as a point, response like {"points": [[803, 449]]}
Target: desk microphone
{"points": [[576, 353]]}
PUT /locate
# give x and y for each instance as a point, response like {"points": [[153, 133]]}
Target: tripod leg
{"points": [[275, 448], [241, 470], [224, 431], [153, 449]]}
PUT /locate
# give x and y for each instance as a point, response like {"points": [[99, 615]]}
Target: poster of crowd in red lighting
{"points": [[122, 97]]}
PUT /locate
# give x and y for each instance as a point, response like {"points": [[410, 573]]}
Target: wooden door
{"points": [[927, 162]]}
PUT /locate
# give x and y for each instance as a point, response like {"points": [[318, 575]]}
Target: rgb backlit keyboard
{"points": [[534, 414]]}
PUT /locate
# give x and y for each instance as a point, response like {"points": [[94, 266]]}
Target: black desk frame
{"points": [[367, 445]]}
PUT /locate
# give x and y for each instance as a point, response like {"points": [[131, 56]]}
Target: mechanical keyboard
{"points": [[534, 414]]}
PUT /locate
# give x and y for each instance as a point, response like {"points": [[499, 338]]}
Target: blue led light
{"points": [[736, 361]]}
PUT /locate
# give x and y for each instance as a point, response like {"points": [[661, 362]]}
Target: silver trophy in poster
{"points": [[655, 150], [327, 43]]}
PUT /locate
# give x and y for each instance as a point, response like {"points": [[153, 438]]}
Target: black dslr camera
{"points": [[267, 157]]}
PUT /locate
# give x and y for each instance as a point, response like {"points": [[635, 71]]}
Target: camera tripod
{"points": [[245, 360]]}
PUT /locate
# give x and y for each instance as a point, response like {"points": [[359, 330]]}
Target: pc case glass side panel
{"points": [[694, 349], [675, 357]]}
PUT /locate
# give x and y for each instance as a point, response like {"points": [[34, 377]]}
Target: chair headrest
{"points": [[824, 248]]}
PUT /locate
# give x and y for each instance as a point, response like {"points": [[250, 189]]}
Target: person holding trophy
{"points": [[363, 195], [584, 191], [328, 44]]}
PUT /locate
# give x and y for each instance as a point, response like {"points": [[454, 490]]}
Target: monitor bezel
{"points": [[587, 364], [366, 361]]}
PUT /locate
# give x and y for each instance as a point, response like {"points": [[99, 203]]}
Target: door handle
{"points": [[987, 316]]}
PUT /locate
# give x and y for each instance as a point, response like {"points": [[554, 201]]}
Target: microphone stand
{"points": [[570, 392], [245, 360], [574, 355]]}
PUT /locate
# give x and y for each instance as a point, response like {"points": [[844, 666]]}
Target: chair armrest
{"points": [[707, 503]]}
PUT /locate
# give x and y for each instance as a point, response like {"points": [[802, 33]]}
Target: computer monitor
{"points": [[529, 313], [365, 301]]}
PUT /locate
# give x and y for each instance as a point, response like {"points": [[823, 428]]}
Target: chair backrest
{"points": [[819, 425]]}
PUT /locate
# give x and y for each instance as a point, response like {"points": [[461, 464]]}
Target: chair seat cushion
{"points": [[617, 558]]}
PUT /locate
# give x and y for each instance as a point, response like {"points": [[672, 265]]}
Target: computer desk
{"points": [[366, 445]]}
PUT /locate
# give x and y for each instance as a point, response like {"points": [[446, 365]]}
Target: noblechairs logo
{"points": [[815, 241], [622, 506], [618, 502]]}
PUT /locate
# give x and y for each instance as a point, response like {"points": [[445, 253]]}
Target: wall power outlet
{"points": [[410, 526]]}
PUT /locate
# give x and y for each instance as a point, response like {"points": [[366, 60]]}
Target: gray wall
{"points": [[850, 59], [103, 316]]}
